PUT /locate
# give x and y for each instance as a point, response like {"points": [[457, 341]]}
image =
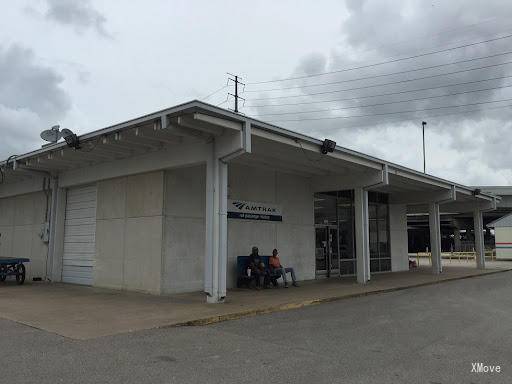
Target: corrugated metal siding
{"points": [[79, 236]]}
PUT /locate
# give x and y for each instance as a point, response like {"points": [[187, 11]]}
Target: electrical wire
{"points": [[222, 102], [378, 95], [385, 61], [382, 75], [392, 113], [426, 35], [383, 84], [427, 116], [386, 103], [214, 92]]}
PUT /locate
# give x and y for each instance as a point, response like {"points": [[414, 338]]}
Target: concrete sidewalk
{"points": [[84, 312]]}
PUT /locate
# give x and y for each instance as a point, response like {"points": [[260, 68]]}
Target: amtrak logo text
{"points": [[239, 209]]}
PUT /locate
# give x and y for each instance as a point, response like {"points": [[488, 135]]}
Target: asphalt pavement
{"points": [[431, 334]]}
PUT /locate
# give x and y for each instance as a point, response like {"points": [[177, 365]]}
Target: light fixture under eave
{"points": [[327, 146]]}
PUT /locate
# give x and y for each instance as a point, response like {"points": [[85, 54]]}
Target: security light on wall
{"points": [[327, 146]]}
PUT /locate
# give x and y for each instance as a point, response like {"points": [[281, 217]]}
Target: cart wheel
{"points": [[20, 274]]}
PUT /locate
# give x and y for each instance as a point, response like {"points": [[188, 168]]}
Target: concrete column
{"points": [[223, 149], [362, 235], [435, 237], [216, 230], [456, 239], [479, 239], [399, 243]]}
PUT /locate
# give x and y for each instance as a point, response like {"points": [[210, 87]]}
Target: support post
{"points": [[362, 235], [479, 239], [456, 239], [435, 237], [216, 230], [223, 149]]}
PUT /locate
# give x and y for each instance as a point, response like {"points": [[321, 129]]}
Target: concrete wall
{"points": [[129, 223], [294, 236], [184, 233], [503, 235], [21, 221], [398, 237]]}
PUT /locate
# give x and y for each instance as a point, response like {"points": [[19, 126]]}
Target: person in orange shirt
{"points": [[275, 266]]}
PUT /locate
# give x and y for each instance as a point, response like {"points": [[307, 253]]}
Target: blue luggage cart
{"points": [[13, 266]]}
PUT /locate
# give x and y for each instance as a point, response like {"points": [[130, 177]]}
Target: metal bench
{"points": [[13, 266], [241, 268]]}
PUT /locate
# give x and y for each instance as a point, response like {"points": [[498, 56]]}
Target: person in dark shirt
{"points": [[257, 268]]}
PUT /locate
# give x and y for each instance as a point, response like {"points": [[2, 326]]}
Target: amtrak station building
{"points": [[166, 202]]}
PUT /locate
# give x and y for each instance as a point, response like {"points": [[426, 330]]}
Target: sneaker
{"points": [[295, 284], [286, 285]]}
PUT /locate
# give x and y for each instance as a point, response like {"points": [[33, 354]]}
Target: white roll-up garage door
{"points": [[79, 235]]}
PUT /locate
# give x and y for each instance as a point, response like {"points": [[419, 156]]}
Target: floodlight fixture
{"points": [[327, 146]]}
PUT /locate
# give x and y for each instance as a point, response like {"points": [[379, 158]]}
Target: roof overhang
{"points": [[199, 121]]}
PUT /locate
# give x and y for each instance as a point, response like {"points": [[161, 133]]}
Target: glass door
{"points": [[327, 256]]}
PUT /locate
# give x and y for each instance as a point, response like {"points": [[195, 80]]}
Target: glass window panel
{"points": [[382, 211], [325, 208], [320, 249], [374, 265], [346, 224], [385, 265], [372, 211], [373, 226], [348, 267]]}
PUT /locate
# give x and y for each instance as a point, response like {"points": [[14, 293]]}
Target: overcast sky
{"points": [[89, 64]]}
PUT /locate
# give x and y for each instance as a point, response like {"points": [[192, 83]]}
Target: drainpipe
{"points": [[216, 216], [52, 229]]}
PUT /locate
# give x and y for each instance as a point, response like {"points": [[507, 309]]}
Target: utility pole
{"points": [[236, 79], [423, 123]]}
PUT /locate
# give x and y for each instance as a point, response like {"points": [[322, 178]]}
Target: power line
{"points": [[386, 103], [393, 113], [427, 116], [381, 75], [426, 35], [378, 95], [385, 62], [214, 92], [383, 84]]}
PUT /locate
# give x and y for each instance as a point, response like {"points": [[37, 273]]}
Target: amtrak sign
{"points": [[249, 210]]}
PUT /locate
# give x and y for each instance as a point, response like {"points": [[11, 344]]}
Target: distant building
{"points": [[503, 236]]}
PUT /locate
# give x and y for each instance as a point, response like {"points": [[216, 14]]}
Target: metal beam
{"points": [[224, 123]]}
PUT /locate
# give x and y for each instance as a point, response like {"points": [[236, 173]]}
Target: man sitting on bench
{"points": [[275, 266], [257, 268]]}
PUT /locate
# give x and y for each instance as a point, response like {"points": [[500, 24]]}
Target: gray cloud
{"points": [[31, 99], [79, 14], [466, 145]]}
